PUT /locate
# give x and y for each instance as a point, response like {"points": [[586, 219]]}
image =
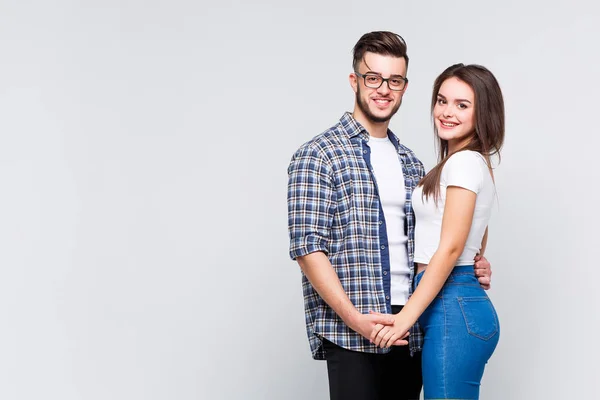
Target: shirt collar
{"points": [[353, 128]]}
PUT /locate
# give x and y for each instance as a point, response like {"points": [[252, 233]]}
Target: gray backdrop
{"points": [[143, 156]]}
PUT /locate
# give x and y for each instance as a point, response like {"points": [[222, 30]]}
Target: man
{"points": [[351, 227]]}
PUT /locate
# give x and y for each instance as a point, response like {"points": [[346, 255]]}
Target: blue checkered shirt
{"points": [[333, 207]]}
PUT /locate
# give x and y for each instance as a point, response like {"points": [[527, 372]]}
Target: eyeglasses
{"points": [[375, 81]]}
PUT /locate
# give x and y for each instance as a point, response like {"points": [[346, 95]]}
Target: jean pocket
{"points": [[480, 316]]}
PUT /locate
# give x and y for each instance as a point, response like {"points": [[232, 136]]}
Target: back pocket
{"points": [[480, 316]]}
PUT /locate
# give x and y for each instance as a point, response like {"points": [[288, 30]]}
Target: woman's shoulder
{"points": [[467, 155], [464, 168], [465, 159]]}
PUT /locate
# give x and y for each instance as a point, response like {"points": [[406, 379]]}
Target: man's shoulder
{"points": [[325, 142]]}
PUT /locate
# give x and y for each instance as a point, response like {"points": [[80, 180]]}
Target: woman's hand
{"points": [[385, 335]]}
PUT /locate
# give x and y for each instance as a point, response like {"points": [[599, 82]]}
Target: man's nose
{"points": [[384, 88]]}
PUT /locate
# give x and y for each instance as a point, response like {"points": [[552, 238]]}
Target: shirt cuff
{"points": [[308, 244]]}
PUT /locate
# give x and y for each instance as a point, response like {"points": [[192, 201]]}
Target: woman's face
{"points": [[454, 113]]}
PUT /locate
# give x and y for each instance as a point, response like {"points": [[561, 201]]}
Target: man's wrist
{"points": [[351, 317]]}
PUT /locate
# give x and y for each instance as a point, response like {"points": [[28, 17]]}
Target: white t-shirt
{"points": [[392, 194], [466, 169]]}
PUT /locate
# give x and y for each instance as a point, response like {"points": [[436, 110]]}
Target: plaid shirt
{"points": [[333, 207]]}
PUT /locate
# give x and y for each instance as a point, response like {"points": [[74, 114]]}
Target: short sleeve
{"points": [[311, 203], [463, 169]]}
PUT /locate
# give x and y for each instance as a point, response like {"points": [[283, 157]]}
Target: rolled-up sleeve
{"points": [[311, 202]]}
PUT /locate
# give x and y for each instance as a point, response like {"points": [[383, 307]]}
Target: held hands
{"points": [[388, 335], [483, 272], [365, 324]]}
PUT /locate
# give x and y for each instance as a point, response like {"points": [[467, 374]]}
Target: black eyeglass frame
{"points": [[364, 76]]}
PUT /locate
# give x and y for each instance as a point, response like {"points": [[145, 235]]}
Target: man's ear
{"points": [[353, 82]]}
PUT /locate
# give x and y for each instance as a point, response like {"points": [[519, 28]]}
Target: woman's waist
{"points": [[466, 258]]}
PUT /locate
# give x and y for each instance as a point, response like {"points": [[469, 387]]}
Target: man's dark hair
{"points": [[379, 42]]}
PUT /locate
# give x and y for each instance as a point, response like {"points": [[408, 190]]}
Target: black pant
{"points": [[366, 376]]}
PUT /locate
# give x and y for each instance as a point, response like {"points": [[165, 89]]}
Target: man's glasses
{"points": [[375, 81]]}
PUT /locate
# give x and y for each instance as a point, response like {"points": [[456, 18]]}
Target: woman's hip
{"points": [[463, 304]]}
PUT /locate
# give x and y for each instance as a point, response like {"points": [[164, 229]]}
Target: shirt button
{"points": [[382, 247], [387, 297], [380, 222], [385, 272], [364, 152]]}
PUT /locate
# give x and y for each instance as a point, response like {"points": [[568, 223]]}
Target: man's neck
{"points": [[375, 129]]}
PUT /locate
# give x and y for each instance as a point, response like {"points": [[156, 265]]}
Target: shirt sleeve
{"points": [[311, 202], [463, 169]]}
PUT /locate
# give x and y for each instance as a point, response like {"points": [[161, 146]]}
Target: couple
{"points": [[393, 272]]}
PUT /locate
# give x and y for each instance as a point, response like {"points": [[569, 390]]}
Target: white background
{"points": [[143, 156]]}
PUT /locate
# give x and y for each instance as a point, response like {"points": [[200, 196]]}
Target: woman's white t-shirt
{"points": [[467, 169]]}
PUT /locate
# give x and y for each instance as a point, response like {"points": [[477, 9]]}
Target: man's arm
{"points": [[321, 275]]}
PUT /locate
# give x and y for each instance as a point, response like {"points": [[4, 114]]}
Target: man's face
{"points": [[379, 104]]}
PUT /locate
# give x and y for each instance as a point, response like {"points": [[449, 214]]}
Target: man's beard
{"points": [[364, 107]]}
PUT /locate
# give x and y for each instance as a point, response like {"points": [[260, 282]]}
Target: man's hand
{"points": [[483, 272], [366, 323]]}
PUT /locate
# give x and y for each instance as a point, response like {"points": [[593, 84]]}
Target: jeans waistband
{"points": [[463, 269], [458, 270]]}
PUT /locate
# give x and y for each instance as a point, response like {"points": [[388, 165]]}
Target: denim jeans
{"points": [[461, 332]]}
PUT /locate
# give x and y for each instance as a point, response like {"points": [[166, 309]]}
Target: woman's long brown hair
{"points": [[489, 120]]}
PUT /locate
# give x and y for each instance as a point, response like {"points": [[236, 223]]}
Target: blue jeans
{"points": [[461, 332]]}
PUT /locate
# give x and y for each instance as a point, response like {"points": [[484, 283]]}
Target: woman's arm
{"points": [[456, 224]]}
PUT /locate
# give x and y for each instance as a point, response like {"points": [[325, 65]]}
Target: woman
{"points": [[452, 205]]}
